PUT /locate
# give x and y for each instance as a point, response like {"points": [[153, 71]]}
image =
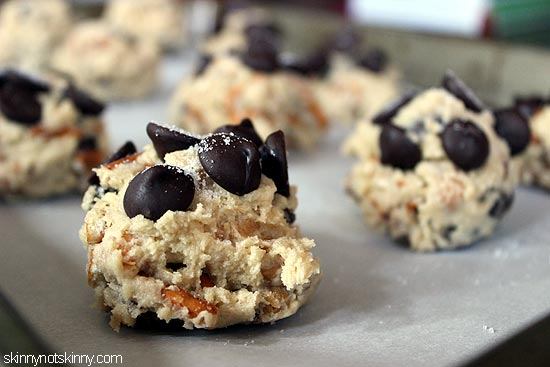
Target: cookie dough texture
{"points": [[350, 92], [160, 22], [435, 205], [533, 164], [229, 91], [45, 159], [228, 259], [109, 64], [30, 30]]}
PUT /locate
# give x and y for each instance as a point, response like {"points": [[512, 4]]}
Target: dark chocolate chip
{"points": [[347, 40], [157, 190], [447, 231], [314, 64], [261, 55], [166, 140], [274, 162], [528, 106], [501, 205], [204, 61], [87, 143], [125, 150], [245, 129], [290, 216], [511, 125], [86, 104], [232, 162], [465, 144], [397, 149], [19, 97], [175, 266], [389, 112], [374, 60], [458, 88]]}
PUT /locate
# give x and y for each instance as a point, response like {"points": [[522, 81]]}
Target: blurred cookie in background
{"points": [[359, 82], [30, 30], [525, 126], [251, 84], [51, 136], [108, 63], [160, 22]]}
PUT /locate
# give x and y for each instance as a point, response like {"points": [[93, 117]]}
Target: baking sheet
{"points": [[378, 304]]}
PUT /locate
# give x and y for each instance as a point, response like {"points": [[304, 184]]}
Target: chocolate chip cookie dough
{"points": [[30, 30], [51, 135], [432, 172], [359, 83], [197, 230], [112, 66], [526, 128], [160, 22], [252, 83]]}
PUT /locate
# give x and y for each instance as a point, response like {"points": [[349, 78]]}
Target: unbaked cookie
{"points": [[51, 135], [359, 83], [526, 128], [30, 30], [109, 64], [160, 22], [252, 83], [197, 229], [432, 171]]}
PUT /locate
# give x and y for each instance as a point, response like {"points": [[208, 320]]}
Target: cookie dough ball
{"points": [[51, 135], [30, 30], [109, 64], [198, 231], [526, 129], [160, 22], [230, 88], [359, 83], [432, 172]]}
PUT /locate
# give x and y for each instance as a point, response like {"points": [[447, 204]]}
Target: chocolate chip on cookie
{"points": [[87, 143], [125, 150], [511, 125], [86, 104], [465, 144], [502, 205], [528, 106], [290, 216], [19, 97], [397, 149], [374, 60], [166, 140], [389, 112], [274, 162], [157, 190], [454, 85], [263, 29], [261, 55], [232, 162], [245, 129], [204, 61]]}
